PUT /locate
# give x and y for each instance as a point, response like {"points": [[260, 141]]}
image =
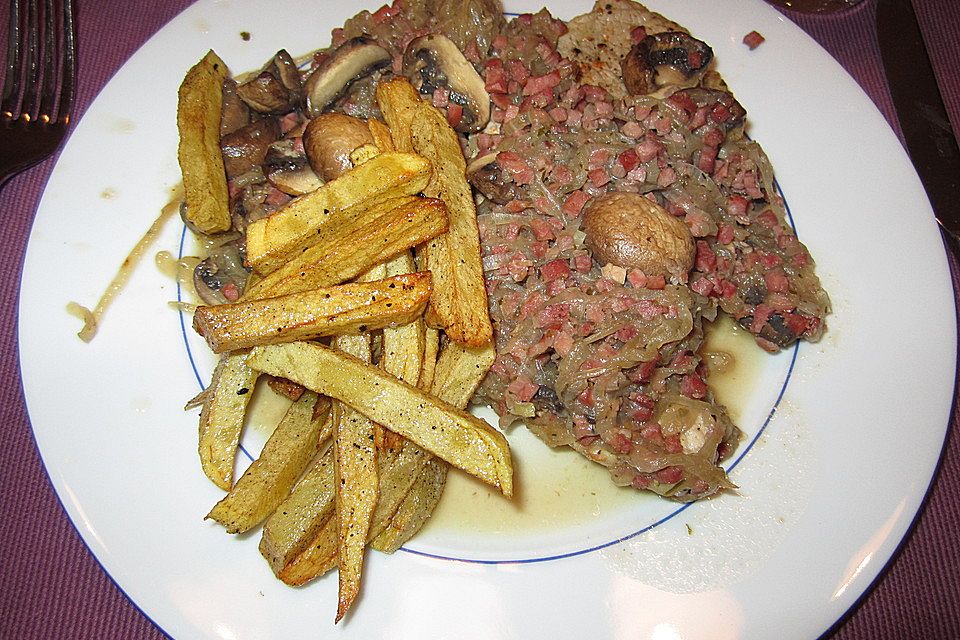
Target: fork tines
{"points": [[41, 62]]}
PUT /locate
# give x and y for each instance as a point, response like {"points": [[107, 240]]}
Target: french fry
{"points": [[343, 309], [398, 470], [353, 199], [415, 509], [402, 353], [431, 348], [403, 344], [398, 102], [381, 135], [351, 249], [459, 298], [199, 102], [459, 371], [221, 418], [459, 438], [355, 479], [268, 480], [289, 531]]}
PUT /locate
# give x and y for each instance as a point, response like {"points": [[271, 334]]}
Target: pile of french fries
{"points": [[367, 308]]}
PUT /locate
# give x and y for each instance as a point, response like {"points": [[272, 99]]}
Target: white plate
{"points": [[829, 487]]}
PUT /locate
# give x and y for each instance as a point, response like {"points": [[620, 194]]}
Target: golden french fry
{"points": [[298, 519], [415, 509], [350, 249], [431, 347], [459, 298], [268, 480], [398, 102], [459, 371], [381, 135], [342, 309], [355, 478], [397, 470], [459, 438], [199, 102], [402, 353], [354, 198], [221, 418], [403, 344]]}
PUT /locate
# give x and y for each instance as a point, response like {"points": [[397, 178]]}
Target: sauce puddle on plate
{"points": [[559, 487]]}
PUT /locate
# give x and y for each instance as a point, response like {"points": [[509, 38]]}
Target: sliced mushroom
{"points": [[664, 60], [247, 147], [487, 177], [353, 59], [220, 275], [434, 62], [276, 89], [234, 113], [329, 140], [288, 170], [628, 230]]}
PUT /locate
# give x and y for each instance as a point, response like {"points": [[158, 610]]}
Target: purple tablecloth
{"points": [[52, 587]]}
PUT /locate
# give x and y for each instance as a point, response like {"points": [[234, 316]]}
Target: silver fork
{"points": [[38, 84]]}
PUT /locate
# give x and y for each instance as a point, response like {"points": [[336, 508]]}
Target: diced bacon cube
{"points": [[620, 443], [523, 389], [632, 129], [702, 285], [706, 259], [573, 204], [495, 80], [727, 289], [454, 114], [582, 262], [637, 34], [637, 279], [670, 475], [656, 282], [563, 344], [777, 281], [541, 229], [599, 177], [628, 159], [753, 40], [555, 269], [648, 149], [726, 234]]}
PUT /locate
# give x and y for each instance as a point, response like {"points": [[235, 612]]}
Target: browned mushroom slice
{"points": [[486, 176], [221, 277], [352, 60], [434, 62], [287, 169], [330, 138], [661, 60], [247, 147], [276, 89], [234, 112]]}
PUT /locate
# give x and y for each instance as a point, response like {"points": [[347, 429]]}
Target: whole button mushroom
{"points": [[628, 230], [330, 138]]}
